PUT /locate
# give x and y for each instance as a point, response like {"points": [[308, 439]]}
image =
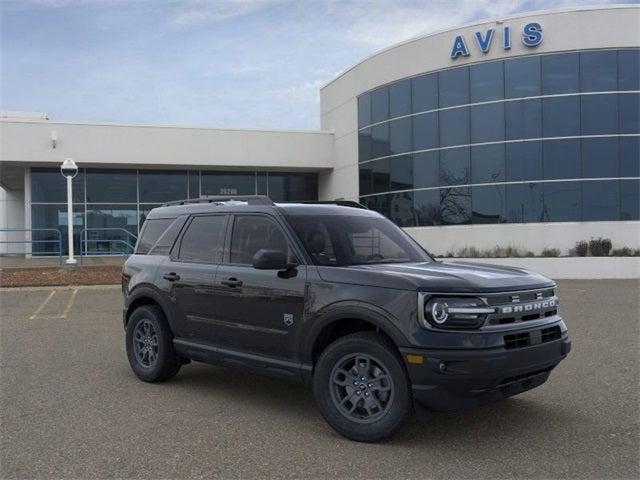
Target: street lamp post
{"points": [[69, 170]]}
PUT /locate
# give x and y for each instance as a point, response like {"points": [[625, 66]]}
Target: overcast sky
{"points": [[244, 63]]}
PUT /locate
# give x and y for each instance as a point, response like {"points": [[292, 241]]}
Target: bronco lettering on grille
{"points": [[529, 307]]}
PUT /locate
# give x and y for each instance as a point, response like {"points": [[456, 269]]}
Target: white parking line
{"points": [[42, 305], [69, 304]]}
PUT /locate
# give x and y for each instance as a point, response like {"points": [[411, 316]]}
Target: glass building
{"points": [[544, 138]]}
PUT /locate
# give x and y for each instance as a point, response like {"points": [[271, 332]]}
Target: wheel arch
{"points": [[146, 295]]}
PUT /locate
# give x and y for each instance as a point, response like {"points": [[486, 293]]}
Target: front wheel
{"points": [[361, 387], [150, 345]]}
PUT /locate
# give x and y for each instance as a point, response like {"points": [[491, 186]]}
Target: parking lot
{"points": [[71, 407]]}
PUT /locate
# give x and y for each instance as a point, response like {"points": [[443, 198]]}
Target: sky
{"points": [[227, 63]]}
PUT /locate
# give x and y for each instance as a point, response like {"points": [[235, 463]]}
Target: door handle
{"points": [[232, 282], [172, 277]]}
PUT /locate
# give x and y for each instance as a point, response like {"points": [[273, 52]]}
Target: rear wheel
{"points": [[150, 345], [361, 387]]}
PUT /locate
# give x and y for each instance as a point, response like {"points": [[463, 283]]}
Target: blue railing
{"points": [[127, 242], [57, 241]]}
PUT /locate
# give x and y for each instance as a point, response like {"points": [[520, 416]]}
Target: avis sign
{"points": [[531, 37]]}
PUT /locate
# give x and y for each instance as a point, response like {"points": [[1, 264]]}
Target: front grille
{"points": [[524, 339], [516, 307], [517, 340], [549, 334]]}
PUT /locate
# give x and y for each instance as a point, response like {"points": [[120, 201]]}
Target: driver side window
{"points": [[255, 232]]}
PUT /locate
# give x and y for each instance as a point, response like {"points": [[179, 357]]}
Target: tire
{"points": [[150, 345], [383, 404]]}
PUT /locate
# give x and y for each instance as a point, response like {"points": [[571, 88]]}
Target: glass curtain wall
{"points": [[110, 205], [545, 138]]}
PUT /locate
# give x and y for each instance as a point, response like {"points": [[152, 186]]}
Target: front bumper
{"points": [[456, 379]]}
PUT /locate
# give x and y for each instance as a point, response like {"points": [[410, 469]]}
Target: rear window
{"points": [[151, 233]]}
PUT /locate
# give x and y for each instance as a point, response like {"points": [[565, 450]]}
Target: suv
{"points": [[335, 295]]}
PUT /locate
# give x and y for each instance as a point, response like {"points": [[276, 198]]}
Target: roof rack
{"points": [[250, 199], [342, 203]]}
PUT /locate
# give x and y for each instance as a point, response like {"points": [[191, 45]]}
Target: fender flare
{"points": [[149, 291]]}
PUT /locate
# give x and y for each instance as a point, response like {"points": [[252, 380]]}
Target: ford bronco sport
{"points": [[335, 295]]}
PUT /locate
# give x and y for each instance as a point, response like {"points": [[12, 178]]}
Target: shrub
{"points": [[600, 247], [550, 252], [625, 252], [581, 248]]}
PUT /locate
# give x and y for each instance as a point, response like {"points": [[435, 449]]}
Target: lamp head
{"points": [[69, 169]]}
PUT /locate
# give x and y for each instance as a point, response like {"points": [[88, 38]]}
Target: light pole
{"points": [[69, 170]]}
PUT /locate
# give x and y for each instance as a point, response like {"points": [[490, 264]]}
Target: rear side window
{"points": [[204, 239], [151, 232], [168, 238]]}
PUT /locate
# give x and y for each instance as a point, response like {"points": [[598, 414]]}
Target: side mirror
{"points": [[270, 260]]}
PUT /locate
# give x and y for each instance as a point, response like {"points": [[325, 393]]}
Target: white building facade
{"points": [[520, 131]]}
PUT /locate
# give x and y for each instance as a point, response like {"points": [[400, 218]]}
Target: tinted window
{"points": [[365, 178], [194, 184], [381, 175], [561, 116], [487, 123], [252, 233], [49, 186], [112, 186], [600, 157], [380, 140], [401, 209], [560, 73], [562, 201], [630, 200], [600, 201], [454, 127], [425, 131], [522, 77], [453, 87], [524, 203], [401, 172], [364, 145], [379, 105], [629, 113], [424, 93], [562, 159], [293, 187], [400, 98], [354, 240], [488, 204], [426, 169], [426, 205], [524, 161], [400, 135], [117, 220], [523, 119], [364, 110], [454, 166], [228, 183], [151, 233], [487, 164], [630, 157], [598, 71], [168, 238], [599, 114], [455, 206], [487, 81], [162, 186], [46, 242], [629, 70], [204, 239]]}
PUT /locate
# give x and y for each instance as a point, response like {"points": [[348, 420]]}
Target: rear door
{"points": [[257, 310], [191, 273]]}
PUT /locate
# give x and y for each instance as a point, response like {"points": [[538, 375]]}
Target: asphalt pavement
{"points": [[72, 408]]}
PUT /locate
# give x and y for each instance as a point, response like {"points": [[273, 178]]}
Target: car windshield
{"points": [[342, 240]]}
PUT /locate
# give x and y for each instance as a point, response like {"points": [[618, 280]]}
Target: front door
{"points": [[257, 310]]}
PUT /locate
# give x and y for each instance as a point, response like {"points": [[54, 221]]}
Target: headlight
{"points": [[453, 312]]}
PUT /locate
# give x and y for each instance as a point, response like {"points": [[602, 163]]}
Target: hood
{"points": [[438, 276]]}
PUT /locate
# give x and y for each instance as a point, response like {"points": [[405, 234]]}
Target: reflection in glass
{"points": [[598, 71], [293, 187], [425, 131], [522, 77], [488, 204], [401, 208], [366, 178], [455, 166], [400, 99], [105, 186], [524, 203], [453, 87], [401, 172], [426, 205], [629, 69], [488, 164], [562, 202], [523, 119], [454, 127], [560, 73], [364, 110], [48, 185], [53, 216], [379, 104], [630, 157], [365, 147], [600, 200], [630, 200], [487, 123], [561, 159], [400, 135], [194, 184], [599, 114], [144, 212], [629, 113], [523, 161], [381, 176], [561, 116], [487, 81], [424, 93], [426, 169], [162, 185], [600, 157], [115, 221], [455, 205], [380, 141], [228, 183]]}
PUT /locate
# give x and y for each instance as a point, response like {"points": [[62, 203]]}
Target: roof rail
{"points": [[250, 199], [342, 203]]}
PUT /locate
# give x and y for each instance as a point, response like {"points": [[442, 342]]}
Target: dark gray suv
{"points": [[338, 296]]}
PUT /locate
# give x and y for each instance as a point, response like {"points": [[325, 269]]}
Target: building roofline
{"points": [[172, 126], [481, 22]]}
